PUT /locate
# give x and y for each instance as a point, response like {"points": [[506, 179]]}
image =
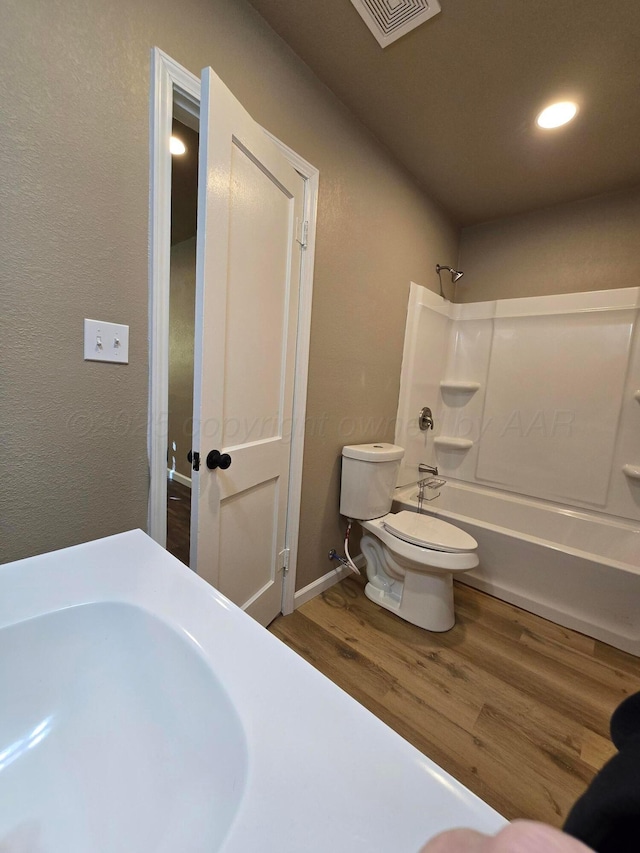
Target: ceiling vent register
{"points": [[389, 20]]}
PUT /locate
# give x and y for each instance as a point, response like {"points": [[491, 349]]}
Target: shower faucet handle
{"points": [[423, 468], [425, 418]]}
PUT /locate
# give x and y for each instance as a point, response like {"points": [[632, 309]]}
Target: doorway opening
{"points": [[182, 301]]}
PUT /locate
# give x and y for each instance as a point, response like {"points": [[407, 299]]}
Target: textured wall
{"points": [[182, 306], [74, 213], [74, 202], [585, 245]]}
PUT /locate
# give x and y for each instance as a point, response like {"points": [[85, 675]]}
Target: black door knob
{"points": [[215, 459]]}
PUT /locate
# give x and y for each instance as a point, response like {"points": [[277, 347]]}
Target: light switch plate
{"points": [[106, 342]]}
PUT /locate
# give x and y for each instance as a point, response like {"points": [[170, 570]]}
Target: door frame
{"points": [[172, 84]]}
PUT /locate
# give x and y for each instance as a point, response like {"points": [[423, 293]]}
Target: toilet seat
{"points": [[419, 558], [429, 532]]}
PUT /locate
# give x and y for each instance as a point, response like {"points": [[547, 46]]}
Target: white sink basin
{"points": [[114, 735], [142, 712]]}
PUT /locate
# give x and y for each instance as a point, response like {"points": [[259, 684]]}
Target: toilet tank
{"points": [[369, 476]]}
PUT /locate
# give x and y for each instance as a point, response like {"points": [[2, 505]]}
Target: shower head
{"points": [[456, 275]]}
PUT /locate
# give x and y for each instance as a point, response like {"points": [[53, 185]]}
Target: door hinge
{"points": [[284, 560], [303, 233]]}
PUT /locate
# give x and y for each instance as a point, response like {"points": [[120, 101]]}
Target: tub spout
{"points": [[423, 468]]}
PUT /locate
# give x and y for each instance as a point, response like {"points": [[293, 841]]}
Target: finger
{"points": [[527, 836], [457, 841]]}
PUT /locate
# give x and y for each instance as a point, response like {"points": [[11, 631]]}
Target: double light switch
{"points": [[106, 341]]}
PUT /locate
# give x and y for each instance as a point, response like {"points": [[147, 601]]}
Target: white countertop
{"points": [[321, 772]]}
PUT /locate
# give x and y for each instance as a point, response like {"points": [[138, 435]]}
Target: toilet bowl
{"points": [[410, 558]]}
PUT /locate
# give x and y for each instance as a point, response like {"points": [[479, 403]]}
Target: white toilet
{"points": [[411, 558]]}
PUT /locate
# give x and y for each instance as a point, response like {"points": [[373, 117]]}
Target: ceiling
{"points": [[456, 99]]}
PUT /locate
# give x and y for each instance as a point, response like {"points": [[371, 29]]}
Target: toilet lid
{"points": [[429, 532]]}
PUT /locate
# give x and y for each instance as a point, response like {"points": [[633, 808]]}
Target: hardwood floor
{"points": [[178, 520], [513, 706]]}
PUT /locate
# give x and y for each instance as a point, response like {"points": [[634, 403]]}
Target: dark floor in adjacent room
{"points": [[178, 520], [515, 707]]}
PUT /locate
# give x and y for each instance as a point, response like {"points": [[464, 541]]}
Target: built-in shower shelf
{"points": [[631, 471], [450, 443], [460, 386]]}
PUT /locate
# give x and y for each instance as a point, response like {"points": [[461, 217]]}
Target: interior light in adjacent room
{"points": [[177, 146], [557, 114]]}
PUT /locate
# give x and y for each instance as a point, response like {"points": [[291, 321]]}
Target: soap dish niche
{"points": [[446, 442], [459, 386], [631, 471]]}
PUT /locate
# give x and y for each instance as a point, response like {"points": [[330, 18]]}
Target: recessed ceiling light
{"points": [[177, 146], [557, 114]]}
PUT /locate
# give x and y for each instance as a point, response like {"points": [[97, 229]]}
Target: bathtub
{"points": [[578, 569]]}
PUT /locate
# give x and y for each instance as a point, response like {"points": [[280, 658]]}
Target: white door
{"points": [[250, 208]]}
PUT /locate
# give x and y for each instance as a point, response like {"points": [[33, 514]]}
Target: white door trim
{"points": [[167, 80], [312, 181], [171, 81]]}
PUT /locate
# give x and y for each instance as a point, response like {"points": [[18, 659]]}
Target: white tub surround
{"points": [[535, 403], [143, 712], [534, 396]]}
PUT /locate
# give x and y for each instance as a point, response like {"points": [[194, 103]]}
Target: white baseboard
{"points": [[325, 582], [179, 478]]}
